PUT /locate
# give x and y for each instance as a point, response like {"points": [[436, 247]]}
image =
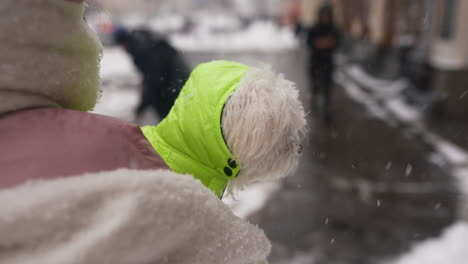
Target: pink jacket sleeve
{"points": [[47, 143]]}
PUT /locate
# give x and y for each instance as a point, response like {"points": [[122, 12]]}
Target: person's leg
{"points": [[327, 87], [146, 100], [327, 103], [164, 100], [162, 107], [314, 76]]}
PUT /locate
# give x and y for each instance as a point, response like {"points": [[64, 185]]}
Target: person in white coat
{"points": [[77, 187]]}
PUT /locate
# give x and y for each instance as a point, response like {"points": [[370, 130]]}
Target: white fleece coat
{"points": [[123, 216]]}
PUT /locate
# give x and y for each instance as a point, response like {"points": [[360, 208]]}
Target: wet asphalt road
{"points": [[450, 120], [364, 192]]}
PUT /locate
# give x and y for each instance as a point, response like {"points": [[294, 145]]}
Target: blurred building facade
{"points": [[438, 27], [308, 11], [423, 40], [450, 34]]}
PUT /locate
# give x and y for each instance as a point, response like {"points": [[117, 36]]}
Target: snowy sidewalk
{"points": [[385, 100]]}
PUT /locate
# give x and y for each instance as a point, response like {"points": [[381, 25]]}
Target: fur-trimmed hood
{"points": [[48, 56]]}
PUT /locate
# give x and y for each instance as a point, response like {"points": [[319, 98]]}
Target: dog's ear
{"points": [[263, 124]]}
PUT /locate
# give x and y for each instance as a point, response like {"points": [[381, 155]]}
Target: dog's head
{"points": [[263, 124]]}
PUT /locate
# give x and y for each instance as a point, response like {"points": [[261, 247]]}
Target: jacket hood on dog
{"points": [[48, 56], [190, 138]]}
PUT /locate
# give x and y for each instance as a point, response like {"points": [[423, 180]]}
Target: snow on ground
{"points": [[454, 154], [381, 87], [403, 111], [209, 31], [167, 23], [252, 198], [457, 158], [219, 21], [120, 85], [450, 248], [462, 175], [257, 37], [390, 107], [393, 108], [119, 104], [116, 63], [359, 74], [388, 91], [364, 98], [444, 56], [301, 258]]}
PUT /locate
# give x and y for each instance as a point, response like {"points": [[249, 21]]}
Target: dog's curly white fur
{"points": [[263, 123]]}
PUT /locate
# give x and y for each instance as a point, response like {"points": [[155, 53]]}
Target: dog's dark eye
{"points": [[299, 149]]}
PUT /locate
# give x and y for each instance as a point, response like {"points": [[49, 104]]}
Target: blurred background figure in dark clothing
{"points": [[322, 40], [162, 67]]}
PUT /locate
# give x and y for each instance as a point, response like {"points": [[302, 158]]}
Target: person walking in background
{"points": [[322, 40], [162, 67]]}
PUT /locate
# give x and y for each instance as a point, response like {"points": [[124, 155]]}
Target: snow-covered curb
{"points": [[252, 198], [116, 63], [451, 248], [387, 91], [382, 100], [257, 37]]}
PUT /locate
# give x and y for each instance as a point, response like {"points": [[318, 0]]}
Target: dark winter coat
{"points": [[162, 67], [318, 32]]}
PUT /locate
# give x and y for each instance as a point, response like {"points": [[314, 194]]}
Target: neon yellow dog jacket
{"points": [[190, 138]]}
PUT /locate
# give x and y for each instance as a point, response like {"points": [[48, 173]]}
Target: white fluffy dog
{"points": [[264, 123]]}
